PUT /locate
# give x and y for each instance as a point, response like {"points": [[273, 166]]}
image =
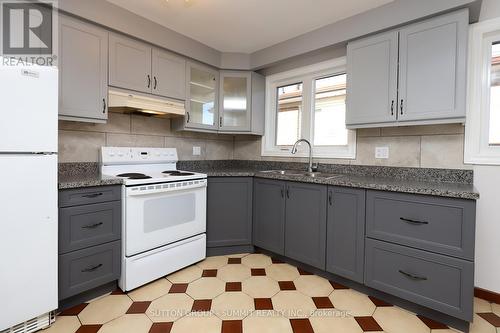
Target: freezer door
{"points": [[28, 109], [28, 237]]}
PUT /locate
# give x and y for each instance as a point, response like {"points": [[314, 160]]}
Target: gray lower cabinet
{"points": [[436, 281], [229, 211], [89, 238], [345, 235], [305, 223], [269, 215]]}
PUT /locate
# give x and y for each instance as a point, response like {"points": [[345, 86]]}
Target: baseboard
{"points": [[487, 295]]}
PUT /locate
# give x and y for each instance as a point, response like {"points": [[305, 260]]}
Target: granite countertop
{"points": [[436, 182], [442, 189]]}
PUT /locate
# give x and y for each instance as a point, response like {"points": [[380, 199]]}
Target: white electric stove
{"points": [[164, 212]]}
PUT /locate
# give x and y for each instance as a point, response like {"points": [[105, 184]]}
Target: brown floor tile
{"points": [[338, 286], [178, 288], [432, 324], [89, 329], [161, 328], [74, 311], [118, 291], [258, 271], [379, 302], [491, 318], [233, 286], [138, 307], [301, 326], [368, 324], [234, 260], [304, 272], [286, 285], [202, 305], [277, 261], [263, 304], [323, 303], [209, 273], [232, 326]]}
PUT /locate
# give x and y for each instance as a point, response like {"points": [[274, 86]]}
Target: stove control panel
{"points": [[133, 155]]}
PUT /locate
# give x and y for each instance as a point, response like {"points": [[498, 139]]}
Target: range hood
{"points": [[133, 102]]}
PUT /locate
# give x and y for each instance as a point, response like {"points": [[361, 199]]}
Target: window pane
{"points": [[289, 114], [329, 111], [495, 96]]}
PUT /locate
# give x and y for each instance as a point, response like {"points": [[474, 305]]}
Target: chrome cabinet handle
{"points": [[220, 121], [104, 105], [392, 108], [93, 195], [401, 106], [156, 82], [330, 198], [282, 193], [188, 117], [91, 269], [92, 226], [410, 221], [413, 277], [149, 81], [288, 193]]}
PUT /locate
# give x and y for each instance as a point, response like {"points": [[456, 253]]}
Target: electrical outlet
{"points": [[196, 151], [382, 152]]}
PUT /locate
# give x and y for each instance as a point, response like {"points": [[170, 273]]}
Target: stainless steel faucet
{"points": [[294, 151]]}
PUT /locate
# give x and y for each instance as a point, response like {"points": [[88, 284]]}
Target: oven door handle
{"points": [[136, 193]]}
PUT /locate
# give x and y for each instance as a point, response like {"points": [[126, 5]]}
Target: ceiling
{"points": [[246, 26]]}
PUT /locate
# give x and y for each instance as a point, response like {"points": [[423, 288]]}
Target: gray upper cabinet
{"points": [[229, 211], [305, 223], [129, 64], [430, 58], [345, 249], [269, 215], [241, 102], [372, 74], [169, 74], [83, 71]]}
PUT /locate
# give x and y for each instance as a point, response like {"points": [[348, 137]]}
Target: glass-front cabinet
{"points": [[202, 97], [235, 101]]}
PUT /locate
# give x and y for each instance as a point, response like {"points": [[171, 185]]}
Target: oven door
{"points": [[160, 214]]}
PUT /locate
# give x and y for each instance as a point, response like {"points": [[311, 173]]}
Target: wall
{"points": [[80, 142], [487, 182]]}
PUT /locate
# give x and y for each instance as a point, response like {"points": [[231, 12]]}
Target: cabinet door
{"points": [[83, 74], [202, 90], [433, 69], [269, 215], [229, 211], [346, 233], [305, 229], [129, 64], [372, 66], [235, 101], [169, 75]]}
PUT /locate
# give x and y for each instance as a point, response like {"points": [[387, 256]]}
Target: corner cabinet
{"points": [[83, 71], [412, 76]]}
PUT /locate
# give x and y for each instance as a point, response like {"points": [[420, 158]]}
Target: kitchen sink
{"points": [[303, 173], [284, 172]]}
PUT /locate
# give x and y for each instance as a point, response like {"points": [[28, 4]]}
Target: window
{"points": [[309, 103], [482, 136]]}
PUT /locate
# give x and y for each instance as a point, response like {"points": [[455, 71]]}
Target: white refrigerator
{"points": [[28, 194]]}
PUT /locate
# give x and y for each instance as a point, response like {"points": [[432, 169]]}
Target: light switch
{"points": [[382, 152], [196, 151]]}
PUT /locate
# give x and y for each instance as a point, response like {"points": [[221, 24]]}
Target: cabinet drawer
{"points": [[89, 195], [88, 225], [439, 282], [83, 270], [435, 224]]}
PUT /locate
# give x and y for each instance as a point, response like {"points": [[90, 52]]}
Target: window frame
{"points": [[477, 149], [307, 76]]}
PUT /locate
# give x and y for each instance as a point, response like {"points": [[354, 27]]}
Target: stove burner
{"points": [[134, 175], [178, 173]]}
